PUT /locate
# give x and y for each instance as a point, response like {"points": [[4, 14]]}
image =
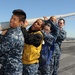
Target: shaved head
{"points": [[53, 19]]}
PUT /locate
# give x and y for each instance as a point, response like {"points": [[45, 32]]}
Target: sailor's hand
{"points": [[25, 24], [45, 18], [4, 32]]}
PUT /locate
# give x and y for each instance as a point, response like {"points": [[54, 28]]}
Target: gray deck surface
{"points": [[67, 60]]}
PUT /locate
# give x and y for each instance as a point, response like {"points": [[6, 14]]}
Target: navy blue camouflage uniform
{"points": [[57, 50], [45, 55], [47, 52], [11, 48]]}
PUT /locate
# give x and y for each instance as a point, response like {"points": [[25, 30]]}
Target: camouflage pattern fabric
{"points": [[11, 48], [30, 69]]}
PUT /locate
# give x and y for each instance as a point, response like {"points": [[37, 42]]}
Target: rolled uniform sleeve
{"points": [[62, 35], [48, 38], [55, 30]]}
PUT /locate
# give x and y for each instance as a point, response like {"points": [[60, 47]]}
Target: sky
{"points": [[40, 8]]}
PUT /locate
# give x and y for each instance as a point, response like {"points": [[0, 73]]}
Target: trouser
{"points": [[2, 72], [30, 69], [9, 69], [56, 64], [51, 65], [45, 70], [56, 58]]}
